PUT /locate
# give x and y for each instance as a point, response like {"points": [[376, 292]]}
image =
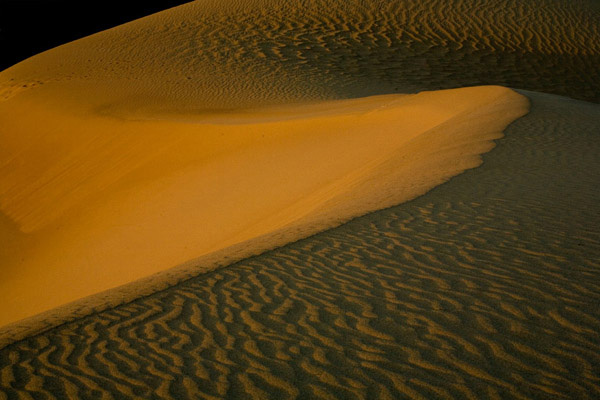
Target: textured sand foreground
{"points": [[486, 287]]}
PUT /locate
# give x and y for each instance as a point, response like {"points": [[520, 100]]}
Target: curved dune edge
{"points": [[277, 181]]}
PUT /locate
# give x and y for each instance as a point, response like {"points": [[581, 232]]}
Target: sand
{"points": [[132, 173], [213, 131]]}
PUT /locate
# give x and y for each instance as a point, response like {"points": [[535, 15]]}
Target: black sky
{"points": [[28, 27]]}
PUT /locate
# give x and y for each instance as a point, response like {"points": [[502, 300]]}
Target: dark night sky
{"points": [[28, 27]]}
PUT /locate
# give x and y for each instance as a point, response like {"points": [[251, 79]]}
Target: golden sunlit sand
{"points": [[136, 161], [99, 201]]}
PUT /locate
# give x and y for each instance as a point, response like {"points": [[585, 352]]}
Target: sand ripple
{"points": [[486, 287], [240, 53]]}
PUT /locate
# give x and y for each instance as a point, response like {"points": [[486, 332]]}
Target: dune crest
{"points": [[479, 288]]}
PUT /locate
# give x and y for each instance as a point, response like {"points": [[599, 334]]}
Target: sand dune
{"points": [[485, 287], [121, 160], [221, 129]]}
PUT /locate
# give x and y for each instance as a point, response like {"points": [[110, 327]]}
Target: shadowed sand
{"points": [[485, 287]]}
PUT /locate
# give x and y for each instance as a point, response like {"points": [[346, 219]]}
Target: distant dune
{"points": [[137, 160], [223, 54]]}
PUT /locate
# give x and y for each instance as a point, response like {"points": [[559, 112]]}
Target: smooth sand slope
{"points": [[486, 287], [96, 201]]}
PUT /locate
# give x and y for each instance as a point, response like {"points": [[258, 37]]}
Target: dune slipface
{"points": [[99, 201], [218, 130]]}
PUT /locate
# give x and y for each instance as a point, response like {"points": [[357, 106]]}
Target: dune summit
{"points": [[184, 133]]}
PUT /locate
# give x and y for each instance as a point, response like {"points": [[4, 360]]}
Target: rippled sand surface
{"points": [[232, 53], [486, 287]]}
